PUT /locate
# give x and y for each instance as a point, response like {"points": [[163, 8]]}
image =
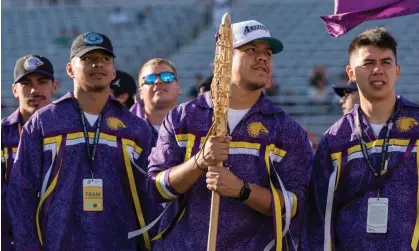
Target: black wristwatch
{"points": [[244, 192]]}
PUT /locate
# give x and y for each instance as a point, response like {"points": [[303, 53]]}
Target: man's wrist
{"points": [[200, 164], [200, 167]]}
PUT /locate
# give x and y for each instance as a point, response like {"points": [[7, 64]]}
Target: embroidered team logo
{"points": [[115, 123], [93, 38], [404, 124], [116, 83], [32, 63], [251, 28], [256, 128]]}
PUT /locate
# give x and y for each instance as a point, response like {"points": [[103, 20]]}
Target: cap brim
{"points": [[340, 90], [35, 71], [91, 48], [275, 44]]}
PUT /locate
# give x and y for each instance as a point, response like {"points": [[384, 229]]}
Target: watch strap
{"points": [[244, 192]]}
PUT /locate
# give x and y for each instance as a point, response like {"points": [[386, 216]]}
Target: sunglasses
{"points": [[166, 77], [349, 91]]}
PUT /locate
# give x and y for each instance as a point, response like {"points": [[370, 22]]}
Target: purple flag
{"points": [[351, 13]]}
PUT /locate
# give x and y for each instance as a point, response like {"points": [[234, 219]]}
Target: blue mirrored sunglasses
{"points": [[166, 77]]}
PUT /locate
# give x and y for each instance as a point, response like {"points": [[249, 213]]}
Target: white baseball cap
{"points": [[247, 31]]}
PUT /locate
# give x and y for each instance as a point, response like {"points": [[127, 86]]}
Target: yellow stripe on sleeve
{"points": [[159, 188], [295, 205], [6, 157], [338, 158]]}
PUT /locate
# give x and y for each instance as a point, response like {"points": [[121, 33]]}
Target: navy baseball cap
{"points": [[340, 90], [90, 41], [33, 64]]}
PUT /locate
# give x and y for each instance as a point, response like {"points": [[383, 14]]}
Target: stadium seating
{"points": [[306, 44], [179, 32], [33, 30]]}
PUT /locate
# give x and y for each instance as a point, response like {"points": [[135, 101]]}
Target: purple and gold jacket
{"points": [[268, 148], [338, 220], [45, 195], [11, 128], [137, 110]]}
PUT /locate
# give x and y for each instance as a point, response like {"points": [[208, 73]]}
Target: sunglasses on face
{"points": [[347, 92], [166, 77]]}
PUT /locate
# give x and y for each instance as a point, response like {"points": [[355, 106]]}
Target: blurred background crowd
{"points": [[183, 32]]}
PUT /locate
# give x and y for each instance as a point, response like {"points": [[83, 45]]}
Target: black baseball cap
{"points": [[123, 83], [340, 90], [90, 41], [33, 64]]}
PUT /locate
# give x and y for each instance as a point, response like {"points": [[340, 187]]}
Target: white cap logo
{"points": [[32, 63], [116, 83]]}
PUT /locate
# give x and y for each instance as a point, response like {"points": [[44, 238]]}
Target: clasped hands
{"points": [[218, 178]]}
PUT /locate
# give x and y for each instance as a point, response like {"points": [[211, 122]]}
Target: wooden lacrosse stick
{"points": [[220, 95]]}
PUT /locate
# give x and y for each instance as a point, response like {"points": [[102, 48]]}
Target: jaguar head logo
{"points": [[115, 123], [404, 124], [256, 128]]}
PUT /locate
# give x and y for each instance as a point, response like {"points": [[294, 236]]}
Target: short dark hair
{"points": [[129, 102], [378, 37]]}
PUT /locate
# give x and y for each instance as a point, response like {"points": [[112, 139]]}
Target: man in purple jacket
{"points": [[33, 86], [159, 89], [78, 181], [267, 159], [365, 173]]}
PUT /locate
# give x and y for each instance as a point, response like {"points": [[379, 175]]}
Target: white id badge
{"points": [[377, 217]]}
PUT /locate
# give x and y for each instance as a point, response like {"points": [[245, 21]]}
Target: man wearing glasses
{"points": [[348, 94], [159, 89]]}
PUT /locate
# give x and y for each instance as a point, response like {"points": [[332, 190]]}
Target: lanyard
{"points": [[384, 152], [91, 154]]}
